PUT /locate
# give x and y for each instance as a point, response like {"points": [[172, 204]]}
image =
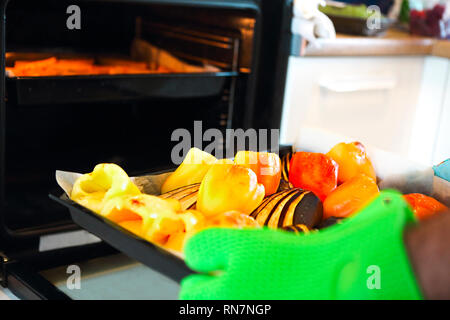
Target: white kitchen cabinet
{"points": [[393, 103]]}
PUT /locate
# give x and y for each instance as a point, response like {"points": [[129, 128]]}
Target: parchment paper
{"points": [[149, 184]]}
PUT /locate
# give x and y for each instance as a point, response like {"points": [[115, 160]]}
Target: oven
{"points": [[138, 70]]}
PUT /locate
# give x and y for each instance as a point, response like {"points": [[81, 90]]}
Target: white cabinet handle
{"points": [[358, 84]]}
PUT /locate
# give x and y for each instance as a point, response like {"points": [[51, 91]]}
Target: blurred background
{"points": [[383, 80]]}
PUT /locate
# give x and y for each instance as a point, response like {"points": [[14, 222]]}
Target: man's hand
{"points": [[428, 246]]}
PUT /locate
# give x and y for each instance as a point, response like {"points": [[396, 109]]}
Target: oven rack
{"points": [[114, 88]]}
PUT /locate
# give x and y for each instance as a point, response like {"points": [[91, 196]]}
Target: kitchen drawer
{"points": [[373, 99]]}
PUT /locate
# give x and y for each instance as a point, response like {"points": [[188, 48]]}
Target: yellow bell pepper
{"points": [[191, 170], [105, 182], [155, 219], [139, 207], [194, 221], [229, 187]]}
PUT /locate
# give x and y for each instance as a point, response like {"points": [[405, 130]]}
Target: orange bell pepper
{"points": [[352, 160], [349, 197], [173, 231], [229, 187], [267, 167], [191, 170], [424, 206], [315, 172]]}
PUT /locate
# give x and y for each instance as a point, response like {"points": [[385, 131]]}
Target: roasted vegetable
{"points": [[186, 195], [350, 197], [315, 172], [138, 207], [285, 166], [289, 207], [229, 187], [105, 182], [266, 166], [192, 170], [173, 231], [424, 206], [352, 160], [163, 220]]}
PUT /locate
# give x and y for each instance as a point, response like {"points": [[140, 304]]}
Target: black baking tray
{"points": [[358, 26], [132, 245], [113, 88]]}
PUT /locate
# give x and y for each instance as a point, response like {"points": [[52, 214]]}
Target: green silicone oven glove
{"points": [[361, 258]]}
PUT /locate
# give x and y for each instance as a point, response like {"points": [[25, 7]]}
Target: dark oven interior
{"points": [[74, 122]]}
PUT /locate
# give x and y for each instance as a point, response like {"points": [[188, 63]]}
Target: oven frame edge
{"points": [[27, 284]]}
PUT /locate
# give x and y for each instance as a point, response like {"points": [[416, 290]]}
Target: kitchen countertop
{"points": [[393, 42]]}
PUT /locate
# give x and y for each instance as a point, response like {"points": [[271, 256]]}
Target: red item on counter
{"points": [[427, 22], [315, 172], [424, 206]]}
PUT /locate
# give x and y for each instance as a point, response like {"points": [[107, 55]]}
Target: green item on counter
{"points": [[404, 12], [361, 258], [353, 11]]}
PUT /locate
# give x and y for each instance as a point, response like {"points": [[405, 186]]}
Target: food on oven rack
{"points": [[229, 187], [424, 206], [266, 165], [192, 170], [67, 67]]}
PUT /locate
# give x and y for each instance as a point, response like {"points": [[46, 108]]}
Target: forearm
{"points": [[428, 246]]}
